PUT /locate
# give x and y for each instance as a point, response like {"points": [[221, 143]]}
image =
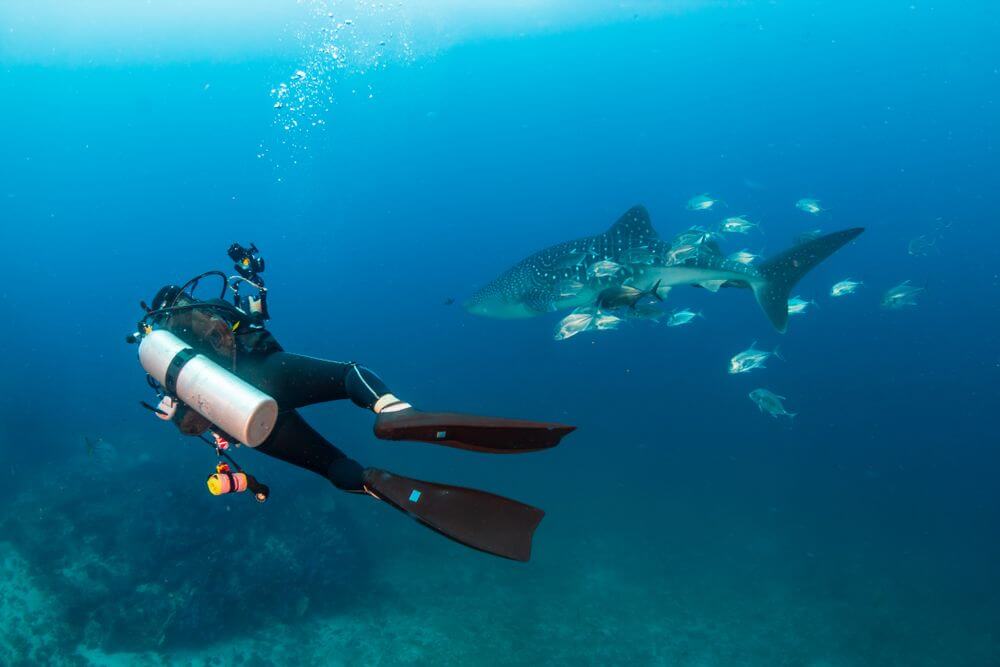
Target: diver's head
{"points": [[166, 296]]}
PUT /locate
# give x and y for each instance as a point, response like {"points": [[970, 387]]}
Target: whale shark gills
{"points": [[530, 287]]}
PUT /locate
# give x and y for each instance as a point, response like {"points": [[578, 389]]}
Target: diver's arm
{"points": [[250, 265]]}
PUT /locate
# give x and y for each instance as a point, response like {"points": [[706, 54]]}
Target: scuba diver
{"points": [[221, 376]]}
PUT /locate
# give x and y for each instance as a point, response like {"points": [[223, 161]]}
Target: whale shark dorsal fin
{"points": [[634, 224]]}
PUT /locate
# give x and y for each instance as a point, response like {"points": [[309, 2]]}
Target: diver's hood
{"points": [[165, 297]]}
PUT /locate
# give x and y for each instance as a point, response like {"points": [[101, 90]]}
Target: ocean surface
{"points": [[390, 158]]}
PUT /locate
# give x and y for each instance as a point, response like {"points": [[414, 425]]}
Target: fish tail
{"points": [[781, 273], [655, 290], [777, 353]]}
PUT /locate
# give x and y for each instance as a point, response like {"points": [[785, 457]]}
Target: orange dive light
{"points": [[226, 481]]}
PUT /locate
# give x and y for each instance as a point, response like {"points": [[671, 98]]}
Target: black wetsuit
{"points": [[294, 381], [238, 342]]}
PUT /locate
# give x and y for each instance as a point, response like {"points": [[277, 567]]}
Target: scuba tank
{"points": [[235, 406]]}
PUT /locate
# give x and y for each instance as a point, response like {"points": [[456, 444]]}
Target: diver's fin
{"points": [[483, 434], [634, 224], [781, 273], [477, 519]]}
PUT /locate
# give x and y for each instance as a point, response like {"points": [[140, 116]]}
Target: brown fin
{"points": [[484, 434], [477, 519]]}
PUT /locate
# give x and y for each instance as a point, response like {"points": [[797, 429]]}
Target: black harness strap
{"points": [[174, 369]]}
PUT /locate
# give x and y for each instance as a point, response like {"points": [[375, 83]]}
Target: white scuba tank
{"points": [[235, 406]]}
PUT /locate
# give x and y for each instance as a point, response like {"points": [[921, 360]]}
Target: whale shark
{"points": [[574, 273]]}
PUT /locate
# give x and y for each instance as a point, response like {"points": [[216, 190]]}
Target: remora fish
{"points": [[529, 288]]}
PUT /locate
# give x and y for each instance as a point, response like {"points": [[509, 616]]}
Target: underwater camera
{"points": [[249, 263]]}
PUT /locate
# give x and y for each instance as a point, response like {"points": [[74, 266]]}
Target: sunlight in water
{"points": [[339, 41]]}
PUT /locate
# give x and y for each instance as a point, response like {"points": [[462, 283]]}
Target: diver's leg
{"points": [[296, 442], [296, 381], [477, 519]]}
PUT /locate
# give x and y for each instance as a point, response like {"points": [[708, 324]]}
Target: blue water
{"points": [[683, 526]]}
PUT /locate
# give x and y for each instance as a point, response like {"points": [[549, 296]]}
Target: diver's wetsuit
{"points": [[238, 343], [294, 381]]}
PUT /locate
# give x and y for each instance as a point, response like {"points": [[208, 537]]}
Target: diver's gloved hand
{"points": [[261, 492], [187, 420], [167, 408], [483, 434]]}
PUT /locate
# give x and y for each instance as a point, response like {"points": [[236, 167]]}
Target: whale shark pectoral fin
{"points": [[781, 273], [773, 299], [712, 285]]}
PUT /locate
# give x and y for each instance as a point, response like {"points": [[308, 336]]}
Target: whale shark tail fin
{"points": [[781, 273]]}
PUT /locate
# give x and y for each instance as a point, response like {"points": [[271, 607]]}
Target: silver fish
{"points": [[737, 224], [681, 253], [770, 403], [702, 202], [681, 317], [603, 269], [573, 324], [798, 306], [845, 287], [809, 205], [569, 288], [903, 295], [751, 358], [743, 257], [607, 321]]}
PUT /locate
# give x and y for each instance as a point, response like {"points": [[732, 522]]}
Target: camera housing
{"points": [[248, 262]]}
